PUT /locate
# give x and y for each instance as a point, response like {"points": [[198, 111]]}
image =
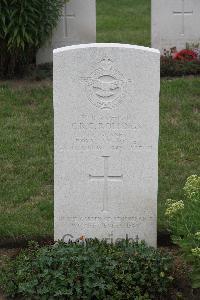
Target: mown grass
{"points": [[26, 153], [26, 162], [124, 21], [179, 148]]}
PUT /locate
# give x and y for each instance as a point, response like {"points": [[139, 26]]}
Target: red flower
{"points": [[187, 55]]}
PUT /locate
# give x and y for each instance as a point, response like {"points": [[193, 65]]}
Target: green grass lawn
{"points": [[26, 133], [26, 153], [124, 21], [26, 162]]}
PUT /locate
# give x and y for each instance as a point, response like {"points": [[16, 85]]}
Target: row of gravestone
{"points": [[174, 23]]}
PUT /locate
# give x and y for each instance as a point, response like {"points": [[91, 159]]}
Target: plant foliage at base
{"points": [[171, 67], [184, 222], [94, 270]]}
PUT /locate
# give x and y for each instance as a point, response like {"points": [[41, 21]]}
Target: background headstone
{"points": [[77, 25], [175, 23], [106, 114]]}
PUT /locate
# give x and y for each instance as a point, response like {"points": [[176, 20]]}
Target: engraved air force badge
{"points": [[105, 86]]}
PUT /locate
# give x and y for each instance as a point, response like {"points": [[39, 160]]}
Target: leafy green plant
{"points": [[184, 223], [24, 26], [93, 270]]}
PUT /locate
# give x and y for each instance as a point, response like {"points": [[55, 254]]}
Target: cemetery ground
{"points": [[26, 140], [27, 132]]}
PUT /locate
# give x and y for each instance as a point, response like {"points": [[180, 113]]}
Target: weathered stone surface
{"points": [[106, 114], [76, 26], [175, 23]]}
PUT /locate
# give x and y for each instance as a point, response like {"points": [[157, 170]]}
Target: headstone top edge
{"points": [[105, 45]]}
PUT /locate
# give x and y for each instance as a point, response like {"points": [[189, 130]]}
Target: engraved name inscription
{"points": [[107, 132]]}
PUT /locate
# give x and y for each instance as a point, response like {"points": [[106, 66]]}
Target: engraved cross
{"points": [[106, 178], [68, 13], [183, 13]]}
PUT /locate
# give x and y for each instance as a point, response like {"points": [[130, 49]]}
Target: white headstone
{"points": [[106, 114], [175, 23], [77, 25]]}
